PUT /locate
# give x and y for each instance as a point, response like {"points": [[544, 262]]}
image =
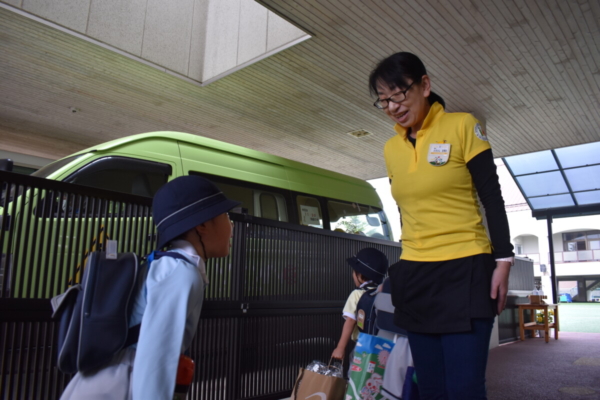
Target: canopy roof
{"points": [[561, 182]]}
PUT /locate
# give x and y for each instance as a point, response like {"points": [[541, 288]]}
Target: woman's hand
{"points": [[500, 283], [338, 353]]}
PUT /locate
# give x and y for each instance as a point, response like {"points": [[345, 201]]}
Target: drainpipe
{"points": [[552, 269]]}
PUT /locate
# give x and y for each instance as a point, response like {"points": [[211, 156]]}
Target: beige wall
{"points": [[199, 39]]}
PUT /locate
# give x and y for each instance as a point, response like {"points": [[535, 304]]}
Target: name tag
{"points": [[360, 319], [439, 153]]}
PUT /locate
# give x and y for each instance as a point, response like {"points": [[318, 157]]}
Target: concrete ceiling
{"points": [[529, 69]]}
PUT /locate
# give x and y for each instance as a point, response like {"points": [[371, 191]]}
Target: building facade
{"points": [[575, 241]]}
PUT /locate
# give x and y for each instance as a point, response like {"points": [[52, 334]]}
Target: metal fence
{"points": [[520, 284], [272, 306]]}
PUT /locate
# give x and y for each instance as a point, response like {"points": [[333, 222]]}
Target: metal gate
{"points": [[271, 307]]}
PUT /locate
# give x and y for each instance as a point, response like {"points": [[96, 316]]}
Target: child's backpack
{"points": [[365, 311], [93, 316], [384, 310], [398, 380]]}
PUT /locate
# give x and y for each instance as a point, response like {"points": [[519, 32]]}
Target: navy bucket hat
{"points": [[370, 263], [185, 203]]}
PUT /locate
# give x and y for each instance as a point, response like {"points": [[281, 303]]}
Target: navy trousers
{"points": [[451, 366]]}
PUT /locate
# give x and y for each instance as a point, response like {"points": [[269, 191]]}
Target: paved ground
{"points": [[567, 368], [563, 369]]}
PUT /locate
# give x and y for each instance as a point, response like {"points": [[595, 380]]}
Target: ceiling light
{"points": [[359, 133]]}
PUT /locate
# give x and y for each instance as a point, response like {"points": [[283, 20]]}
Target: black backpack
{"points": [[375, 311], [93, 316], [365, 311]]}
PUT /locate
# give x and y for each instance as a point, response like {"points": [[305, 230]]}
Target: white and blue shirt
{"points": [[168, 307]]}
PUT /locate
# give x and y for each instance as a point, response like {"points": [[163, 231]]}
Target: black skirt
{"points": [[442, 296]]}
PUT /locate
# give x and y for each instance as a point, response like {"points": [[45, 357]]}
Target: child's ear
{"points": [[202, 228]]}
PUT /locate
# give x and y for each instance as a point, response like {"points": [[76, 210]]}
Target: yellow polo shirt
{"points": [[437, 198]]}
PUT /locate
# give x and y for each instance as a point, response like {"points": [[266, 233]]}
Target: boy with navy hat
{"points": [[191, 217], [369, 267]]}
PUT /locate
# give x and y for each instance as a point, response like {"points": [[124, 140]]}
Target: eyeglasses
{"points": [[395, 98]]}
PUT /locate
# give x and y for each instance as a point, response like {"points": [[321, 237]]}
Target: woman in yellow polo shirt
{"points": [[451, 280]]}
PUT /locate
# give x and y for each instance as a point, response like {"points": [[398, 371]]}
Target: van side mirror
{"points": [[6, 164]]}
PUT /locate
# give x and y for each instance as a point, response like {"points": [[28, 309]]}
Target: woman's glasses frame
{"points": [[382, 104]]}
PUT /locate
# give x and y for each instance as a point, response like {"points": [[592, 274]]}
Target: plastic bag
{"points": [[333, 369], [368, 366], [318, 378]]}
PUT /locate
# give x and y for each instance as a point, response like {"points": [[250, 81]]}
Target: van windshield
{"points": [[49, 169], [358, 219]]}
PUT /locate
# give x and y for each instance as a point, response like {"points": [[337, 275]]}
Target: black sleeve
{"points": [[485, 178]]}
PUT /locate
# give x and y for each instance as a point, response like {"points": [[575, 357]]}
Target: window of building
{"points": [[519, 249], [579, 241]]}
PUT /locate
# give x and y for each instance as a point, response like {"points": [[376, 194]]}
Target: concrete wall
{"points": [[25, 160], [578, 268], [198, 39], [529, 243], [557, 242], [523, 227]]}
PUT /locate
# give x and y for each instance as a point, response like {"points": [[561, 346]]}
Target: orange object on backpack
{"points": [[185, 376]]}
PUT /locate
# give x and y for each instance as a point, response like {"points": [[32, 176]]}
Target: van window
{"points": [[309, 210], [271, 206], [47, 170], [357, 219], [268, 206], [257, 200], [123, 174], [242, 194]]}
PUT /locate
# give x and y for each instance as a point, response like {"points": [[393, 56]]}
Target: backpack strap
{"points": [[134, 332], [173, 254]]}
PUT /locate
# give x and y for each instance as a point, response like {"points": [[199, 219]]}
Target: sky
{"points": [[513, 198], [382, 186]]}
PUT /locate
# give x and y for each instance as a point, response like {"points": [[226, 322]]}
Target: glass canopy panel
{"points": [[585, 198], [576, 156], [585, 178], [543, 184], [532, 162], [561, 200]]}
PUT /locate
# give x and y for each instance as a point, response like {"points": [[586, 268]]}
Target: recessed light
{"points": [[359, 133]]}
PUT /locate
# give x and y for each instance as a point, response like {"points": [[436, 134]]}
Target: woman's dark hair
{"points": [[397, 70]]}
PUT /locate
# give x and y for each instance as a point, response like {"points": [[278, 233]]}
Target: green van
{"points": [[268, 186], [52, 230]]}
